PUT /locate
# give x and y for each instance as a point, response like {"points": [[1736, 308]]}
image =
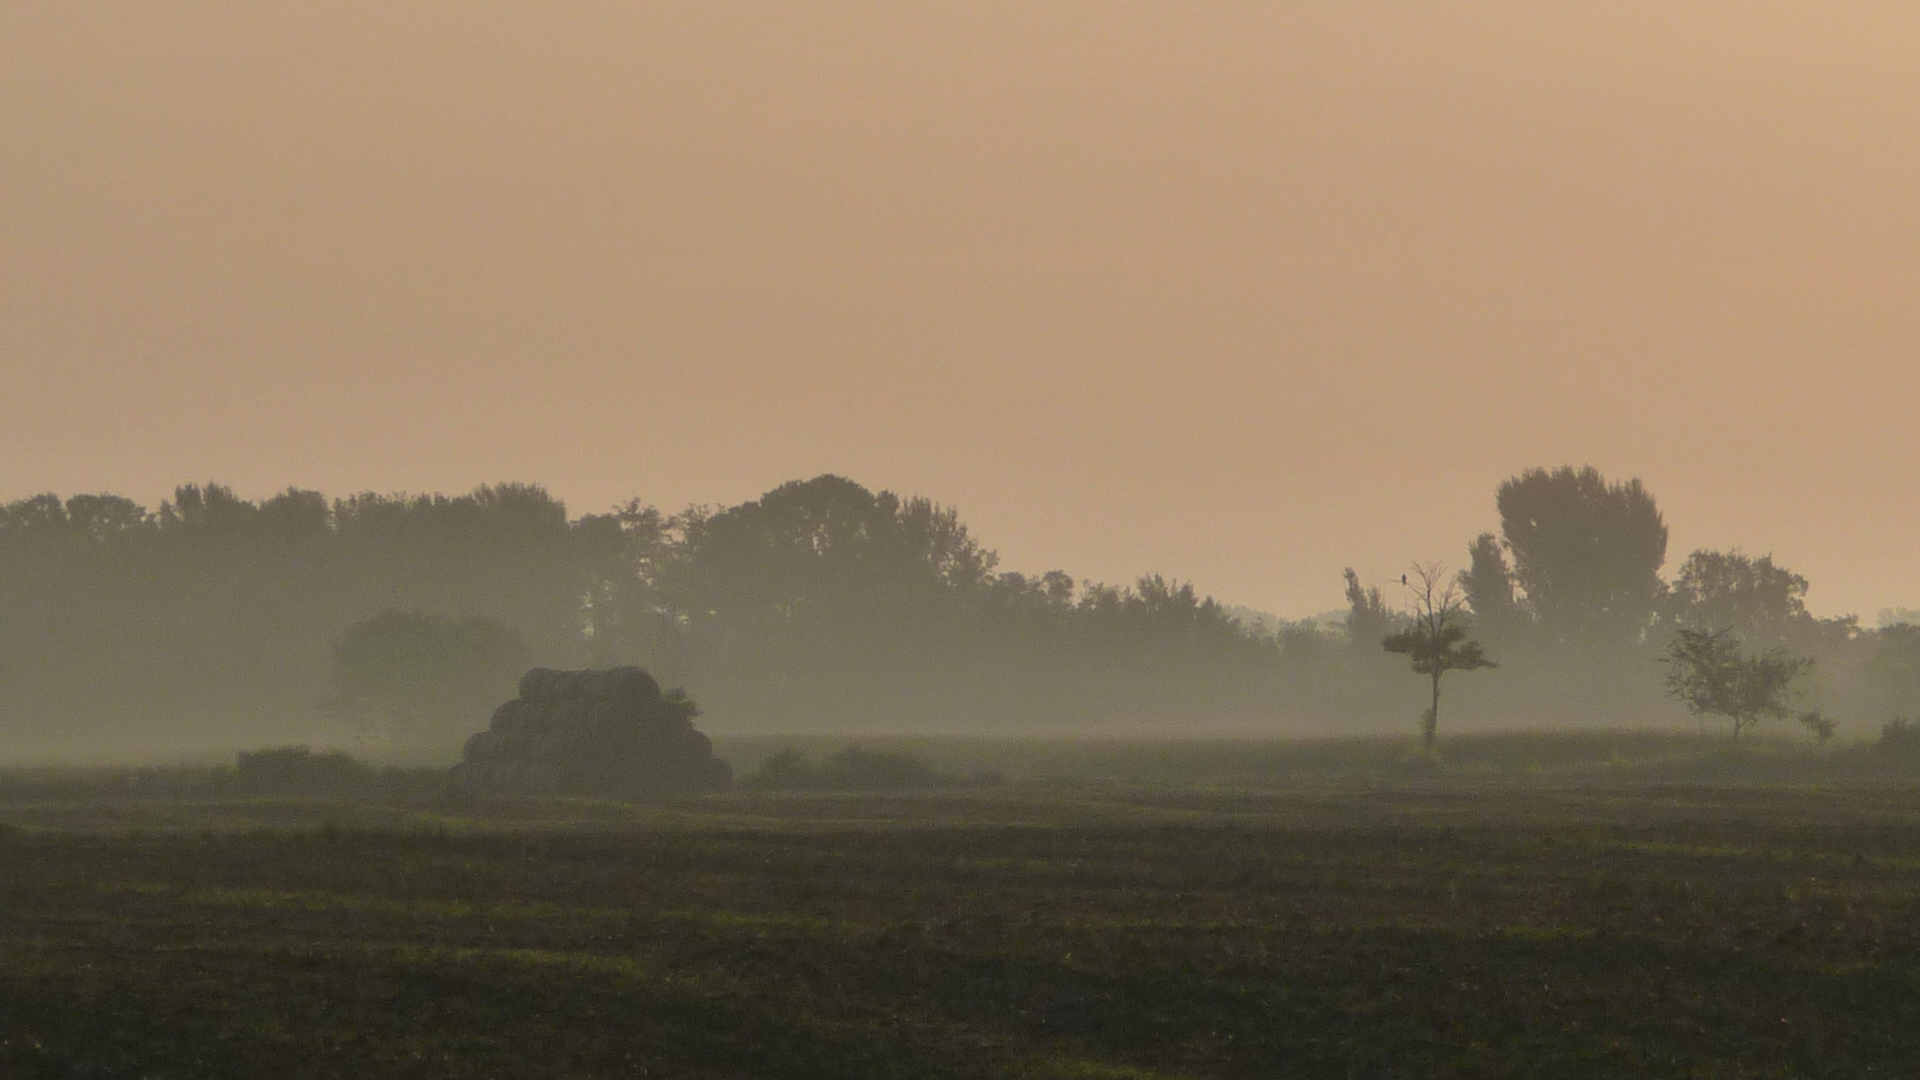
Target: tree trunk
{"points": [[1432, 719]]}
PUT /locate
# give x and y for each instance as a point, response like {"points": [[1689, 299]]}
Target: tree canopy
{"points": [[1487, 585], [1586, 552], [1727, 590]]}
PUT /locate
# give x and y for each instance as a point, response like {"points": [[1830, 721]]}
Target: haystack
{"points": [[597, 732]]}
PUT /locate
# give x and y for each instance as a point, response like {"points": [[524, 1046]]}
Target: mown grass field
{"points": [[1422, 927]]}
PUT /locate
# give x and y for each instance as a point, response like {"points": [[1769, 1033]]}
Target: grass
{"points": [[1551, 756], [1464, 924]]}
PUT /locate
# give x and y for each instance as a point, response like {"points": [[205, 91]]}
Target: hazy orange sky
{"points": [[1238, 292]]}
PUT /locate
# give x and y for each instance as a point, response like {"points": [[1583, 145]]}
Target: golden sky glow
{"points": [[1241, 292]]}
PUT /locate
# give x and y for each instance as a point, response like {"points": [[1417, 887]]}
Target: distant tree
{"points": [[503, 551], [1820, 726], [1488, 585], [1586, 552], [420, 678], [1726, 590], [1368, 617], [1170, 612], [623, 616], [822, 597], [1891, 669], [825, 551], [102, 518], [1708, 672], [1437, 640]]}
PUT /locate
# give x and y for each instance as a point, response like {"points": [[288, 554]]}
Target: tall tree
{"points": [[822, 592], [1368, 617], [1437, 640], [825, 552], [1586, 552], [624, 616], [1488, 585]]}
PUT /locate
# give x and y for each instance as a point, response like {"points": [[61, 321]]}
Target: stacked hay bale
{"points": [[606, 732]]}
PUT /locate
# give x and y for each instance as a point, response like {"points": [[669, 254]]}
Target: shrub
{"points": [[852, 769], [1820, 726], [300, 770], [1900, 736]]}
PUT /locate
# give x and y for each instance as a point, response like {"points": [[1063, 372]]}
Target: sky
{"points": [[1239, 292]]}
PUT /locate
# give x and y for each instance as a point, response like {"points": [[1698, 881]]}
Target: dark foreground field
{"points": [[1424, 929]]}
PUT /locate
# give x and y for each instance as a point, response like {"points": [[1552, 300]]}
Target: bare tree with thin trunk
{"points": [[1437, 641]]}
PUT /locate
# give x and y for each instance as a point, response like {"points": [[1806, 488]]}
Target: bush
{"points": [[852, 769], [1820, 726], [1900, 736], [300, 770]]}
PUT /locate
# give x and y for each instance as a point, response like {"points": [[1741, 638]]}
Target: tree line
{"points": [[1570, 590], [821, 605]]}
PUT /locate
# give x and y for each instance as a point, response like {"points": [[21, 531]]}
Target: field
{"points": [[1453, 923]]}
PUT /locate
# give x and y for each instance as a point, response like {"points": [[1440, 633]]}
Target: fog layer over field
{"points": [[398, 622]]}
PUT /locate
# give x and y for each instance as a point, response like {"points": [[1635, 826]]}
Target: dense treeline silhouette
{"points": [[217, 615], [821, 605]]}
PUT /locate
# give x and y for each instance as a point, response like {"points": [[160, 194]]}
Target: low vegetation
{"points": [[856, 769], [1522, 757]]}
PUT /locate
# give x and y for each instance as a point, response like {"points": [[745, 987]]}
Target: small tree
{"points": [[1709, 673], [1820, 726], [1437, 641]]}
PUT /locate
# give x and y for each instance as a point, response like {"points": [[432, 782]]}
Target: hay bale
{"points": [[546, 746], [627, 686], [570, 685], [606, 716], [548, 685], [513, 742], [604, 732], [518, 714], [534, 684], [481, 746]]}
